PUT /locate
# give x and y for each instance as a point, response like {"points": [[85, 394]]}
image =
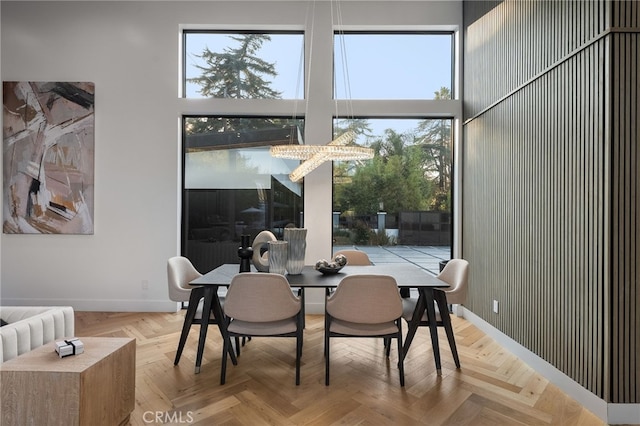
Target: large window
{"points": [[403, 195], [233, 187]]}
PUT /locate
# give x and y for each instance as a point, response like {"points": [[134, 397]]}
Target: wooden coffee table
{"points": [[96, 387]]}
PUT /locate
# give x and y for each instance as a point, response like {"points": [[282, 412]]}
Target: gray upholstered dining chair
{"points": [[354, 257], [262, 305], [180, 272], [456, 274], [364, 306], [360, 258]]}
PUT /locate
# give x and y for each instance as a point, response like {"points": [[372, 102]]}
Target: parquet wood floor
{"points": [[493, 387]]}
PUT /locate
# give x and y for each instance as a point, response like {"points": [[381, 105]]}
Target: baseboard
{"points": [[610, 413], [113, 305], [623, 414]]}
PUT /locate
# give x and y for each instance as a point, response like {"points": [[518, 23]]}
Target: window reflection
{"points": [[233, 187]]}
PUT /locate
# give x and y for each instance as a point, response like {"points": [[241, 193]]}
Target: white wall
{"points": [[130, 51], [1, 157]]}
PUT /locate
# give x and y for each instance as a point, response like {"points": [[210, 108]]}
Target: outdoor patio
{"points": [[426, 257]]}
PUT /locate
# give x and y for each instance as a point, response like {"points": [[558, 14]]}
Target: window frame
{"points": [[321, 112], [453, 137], [185, 199], [183, 56], [452, 76]]}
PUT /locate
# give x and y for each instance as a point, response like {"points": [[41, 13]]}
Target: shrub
{"points": [[382, 239], [361, 233]]}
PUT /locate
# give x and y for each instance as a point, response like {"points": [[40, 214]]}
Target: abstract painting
{"points": [[48, 157]]}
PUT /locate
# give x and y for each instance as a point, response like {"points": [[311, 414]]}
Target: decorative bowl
{"points": [[327, 270], [332, 267]]}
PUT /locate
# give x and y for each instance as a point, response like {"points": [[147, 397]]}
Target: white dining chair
{"points": [[456, 274], [262, 305], [180, 272], [364, 306]]}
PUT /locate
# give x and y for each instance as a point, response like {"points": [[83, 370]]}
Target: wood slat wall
{"points": [[625, 203], [550, 192]]}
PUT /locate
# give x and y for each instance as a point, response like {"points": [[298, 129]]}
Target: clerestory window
{"points": [[243, 64], [392, 65]]}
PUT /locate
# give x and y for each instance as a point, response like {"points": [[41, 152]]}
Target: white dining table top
{"points": [[405, 274]]}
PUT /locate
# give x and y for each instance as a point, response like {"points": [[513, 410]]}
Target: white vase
{"points": [[261, 250], [278, 257], [297, 239]]}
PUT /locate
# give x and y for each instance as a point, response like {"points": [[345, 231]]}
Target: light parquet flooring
{"points": [[493, 387]]}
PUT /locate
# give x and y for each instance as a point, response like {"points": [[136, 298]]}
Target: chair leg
{"points": [[387, 346], [326, 353], [223, 364], [302, 307], [400, 353], [298, 355], [441, 300], [194, 299], [326, 364], [415, 322], [326, 327]]}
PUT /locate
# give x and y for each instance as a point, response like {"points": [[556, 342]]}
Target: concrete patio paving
{"points": [[426, 257]]}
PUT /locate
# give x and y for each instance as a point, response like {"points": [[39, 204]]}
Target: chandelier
{"points": [[312, 156]]}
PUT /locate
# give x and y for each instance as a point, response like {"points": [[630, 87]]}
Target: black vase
{"points": [[245, 252]]}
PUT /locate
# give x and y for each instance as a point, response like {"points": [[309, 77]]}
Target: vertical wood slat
{"points": [[625, 234], [539, 187], [607, 231]]}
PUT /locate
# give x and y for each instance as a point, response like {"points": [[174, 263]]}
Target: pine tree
{"points": [[237, 72]]}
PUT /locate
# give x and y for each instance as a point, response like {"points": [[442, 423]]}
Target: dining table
{"points": [[407, 275]]}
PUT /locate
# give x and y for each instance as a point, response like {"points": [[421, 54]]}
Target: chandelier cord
{"points": [[300, 80], [339, 149], [343, 55]]}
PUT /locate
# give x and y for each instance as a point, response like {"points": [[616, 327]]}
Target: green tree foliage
{"points": [[359, 126], [434, 136], [410, 171], [393, 179], [237, 72]]}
